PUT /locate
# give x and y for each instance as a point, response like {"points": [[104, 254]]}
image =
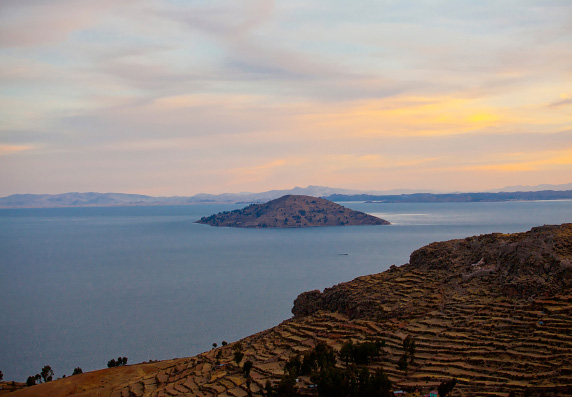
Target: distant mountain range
{"points": [[455, 197], [526, 188], [110, 199], [554, 192]]}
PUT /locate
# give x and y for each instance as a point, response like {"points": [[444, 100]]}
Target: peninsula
{"points": [[292, 211], [489, 315]]}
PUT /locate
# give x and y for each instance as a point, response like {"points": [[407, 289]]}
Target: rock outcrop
{"points": [[292, 211], [521, 266]]}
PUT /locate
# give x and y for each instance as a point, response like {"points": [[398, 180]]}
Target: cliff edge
{"points": [[522, 266]]}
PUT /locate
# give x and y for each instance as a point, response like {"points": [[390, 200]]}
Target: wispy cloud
{"points": [[40, 22], [531, 161], [11, 149], [260, 94], [562, 102]]}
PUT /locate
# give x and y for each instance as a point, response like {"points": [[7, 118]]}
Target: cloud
{"points": [[10, 149], [562, 102], [273, 93], [40, 22], [226, 18], [531, 161], [261, 173]]}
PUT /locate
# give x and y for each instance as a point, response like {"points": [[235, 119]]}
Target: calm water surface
{"points": [[83, 285]]}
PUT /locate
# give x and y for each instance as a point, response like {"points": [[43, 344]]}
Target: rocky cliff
{"points": [[521, 266], [292, 211]]}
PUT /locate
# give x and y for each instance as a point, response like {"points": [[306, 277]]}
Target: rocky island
{"points": [[292, 211], [489, 315]]}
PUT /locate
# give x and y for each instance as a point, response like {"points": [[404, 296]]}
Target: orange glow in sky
{"points": [[177, 98]]}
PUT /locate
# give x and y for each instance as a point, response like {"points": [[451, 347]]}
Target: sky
{"points": [[173, 97]]}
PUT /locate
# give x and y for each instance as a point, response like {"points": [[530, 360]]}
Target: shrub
{"points": [[238, 354], [47, 373], [445, 388], [246, 368]]}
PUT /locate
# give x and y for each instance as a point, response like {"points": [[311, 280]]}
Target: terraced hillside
{"points": [[493, 311], [292, 211]]}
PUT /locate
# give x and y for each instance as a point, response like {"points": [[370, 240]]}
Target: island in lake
{"points": [[292, 211]]}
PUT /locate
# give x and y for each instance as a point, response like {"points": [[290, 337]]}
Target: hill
{"points": [[93, 199], [292, 211], [528, 188], [114, 199], [74, 200], [493, 311], [455, 197]]}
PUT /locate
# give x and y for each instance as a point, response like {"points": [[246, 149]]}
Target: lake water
{"points": [[83, 285]]}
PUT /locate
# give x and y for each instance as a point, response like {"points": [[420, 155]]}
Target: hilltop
{"points": [[518, 267], [292, 211], [493, 311]]}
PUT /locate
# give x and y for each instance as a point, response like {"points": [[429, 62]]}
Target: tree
{"points": [[224, 343], [445, 388], [352, 381], [293, 366], [402, 363], [121, 361], [214, 345], [238, 354], [409, 347], [346, 352], [412, 346], [1, 376], [287, 386], [360, 353], [246, 367], [379, 384], [406, 342], [117, 363], [77, 371], [31, 381], [47, 373], [269, 391]]}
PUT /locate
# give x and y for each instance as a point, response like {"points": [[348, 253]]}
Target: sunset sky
{"points": [[173, 97]]}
